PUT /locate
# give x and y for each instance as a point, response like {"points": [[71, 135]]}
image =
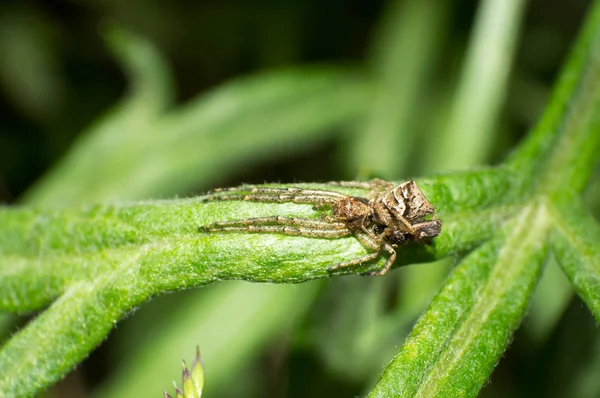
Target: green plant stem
{"points": [[62, 335], [457, 342], [568, 141], [567, 134]]}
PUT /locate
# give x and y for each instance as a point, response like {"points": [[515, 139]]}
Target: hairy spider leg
{"points": [[315, 200], [318, 198], [385, 246], [388, 264], [254, 188], [286, 230], [288, 226], [276, 191], [244, 187], [377, 246], [290, 221], [367, 241]]}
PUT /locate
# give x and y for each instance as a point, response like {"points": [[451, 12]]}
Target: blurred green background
{"points": [[125, 100]]}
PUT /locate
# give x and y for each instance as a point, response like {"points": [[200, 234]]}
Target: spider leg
{"points": [[407, 224], [287, 226], [367, 241], [286, 230], [278, 195], [317, 201], [371, 234], [361, 260], [245, 187], [257, 221], [251, 189], [318, 192], [388, 264]]}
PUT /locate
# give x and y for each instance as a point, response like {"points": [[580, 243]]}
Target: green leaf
{"points": [[563, 148], [158, 241], [64, 334], [458, 341], [575, 240]]}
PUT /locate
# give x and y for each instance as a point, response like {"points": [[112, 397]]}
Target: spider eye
{"points": [[379, 229], [397, 238]]}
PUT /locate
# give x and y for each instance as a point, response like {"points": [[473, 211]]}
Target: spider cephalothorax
{"points": [[353, 211]]}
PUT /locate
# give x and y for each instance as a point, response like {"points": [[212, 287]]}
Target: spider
{"points": [[391, 217]]}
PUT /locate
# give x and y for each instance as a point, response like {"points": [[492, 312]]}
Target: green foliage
{"points": [[87, 266], [575, 243]]}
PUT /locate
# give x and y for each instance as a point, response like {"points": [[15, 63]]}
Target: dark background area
{"points": [[57, 76]]}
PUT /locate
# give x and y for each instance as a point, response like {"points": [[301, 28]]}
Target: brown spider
{"points": [[390, 218]]}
